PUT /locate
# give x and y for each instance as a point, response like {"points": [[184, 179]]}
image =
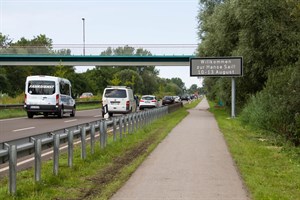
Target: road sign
{"points": [[216, 66]]}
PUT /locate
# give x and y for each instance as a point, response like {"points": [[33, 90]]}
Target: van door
{"points": [[116, 100], [41, 92], [65, 96]]}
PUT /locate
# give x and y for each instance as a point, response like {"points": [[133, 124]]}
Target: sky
{"points": [[160, 26]]}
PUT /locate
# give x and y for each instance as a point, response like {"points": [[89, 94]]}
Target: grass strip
{"points": [[270, 167], [12, 113], [101, 174]]}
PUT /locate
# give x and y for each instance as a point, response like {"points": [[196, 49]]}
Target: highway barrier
{"points": [[11, 151]]}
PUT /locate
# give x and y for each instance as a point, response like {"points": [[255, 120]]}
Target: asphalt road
{"points": [[11, 129], [191, 163]]}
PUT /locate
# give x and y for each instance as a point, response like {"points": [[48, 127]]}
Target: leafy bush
{"points": [[5, 99], [276, 107]]}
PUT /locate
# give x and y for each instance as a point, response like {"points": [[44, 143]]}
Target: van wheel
{"points": [[73, 113], [30, 115], [60, 114]]}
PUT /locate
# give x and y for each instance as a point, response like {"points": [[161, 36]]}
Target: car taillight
{"points": [[153, 100], [127, 105], [141, 100], [57, 99], [25, 99]]}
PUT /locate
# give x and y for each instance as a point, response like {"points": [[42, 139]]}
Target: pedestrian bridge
{"points": [[93, 60]]}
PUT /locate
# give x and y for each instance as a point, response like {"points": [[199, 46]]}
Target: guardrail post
{"points": [[144, 119], [37, 159], [133, 123], [114, 128], [105, 132], [83, 143], [137, 121], [125, 125], [12, 154], [92, 138], [120, 127], [70, 148], [101, 130], [55, 153], [128, 123]]}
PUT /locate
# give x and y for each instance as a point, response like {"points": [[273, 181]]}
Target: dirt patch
{"points": [[111, 172]]}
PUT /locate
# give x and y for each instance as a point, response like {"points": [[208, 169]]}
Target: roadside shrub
{"points": [[5, 99], [276, 107]]}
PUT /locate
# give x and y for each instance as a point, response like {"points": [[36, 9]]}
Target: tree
{"points": [[265, 33], [5, 41], [129, 78], [179, 83]]}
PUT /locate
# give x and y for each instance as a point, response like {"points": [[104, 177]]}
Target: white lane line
{"points": [[3, 120], [73, 120], [98, 116], [23, 129]]}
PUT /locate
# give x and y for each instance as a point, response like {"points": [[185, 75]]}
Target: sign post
{"points": [[219, 67], [105, 111]]}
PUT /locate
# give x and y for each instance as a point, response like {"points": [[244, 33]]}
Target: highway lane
{"points": [[11, 129]]}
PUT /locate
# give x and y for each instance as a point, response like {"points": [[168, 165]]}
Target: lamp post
{"points": [[83, 29]]}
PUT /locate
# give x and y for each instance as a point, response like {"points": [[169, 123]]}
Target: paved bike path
{"points": [[191, 163]]}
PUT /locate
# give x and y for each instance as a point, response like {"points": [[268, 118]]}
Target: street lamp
{"points": [[83, 29]]}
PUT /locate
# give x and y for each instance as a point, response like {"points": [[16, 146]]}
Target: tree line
{"points": [[142, 79], [267, 35]]}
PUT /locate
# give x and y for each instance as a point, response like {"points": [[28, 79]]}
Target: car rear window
{"points": [[147, 98], [41, 87], [115, 93]]}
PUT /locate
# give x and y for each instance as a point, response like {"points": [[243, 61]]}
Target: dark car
{"points": [[167, 100], [185, 97]]}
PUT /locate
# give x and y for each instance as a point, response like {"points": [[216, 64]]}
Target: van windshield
{"points": [[115, 93], [41, 87]]}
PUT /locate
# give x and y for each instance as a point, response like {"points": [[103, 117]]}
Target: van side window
{"points": [[64, 88]]}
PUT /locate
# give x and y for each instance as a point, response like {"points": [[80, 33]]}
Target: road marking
{"points": [[3, 120], [98, 116], [73, 120], [23, 129]]}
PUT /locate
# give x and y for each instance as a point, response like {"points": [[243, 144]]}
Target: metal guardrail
{"points": [[12, 150], [20, 106]]}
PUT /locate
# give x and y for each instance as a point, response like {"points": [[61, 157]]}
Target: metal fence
{"points": [[126, 124]]}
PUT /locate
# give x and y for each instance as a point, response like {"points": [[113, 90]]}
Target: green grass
{"points": [[11, 113], [269, 166], [101, 174]]}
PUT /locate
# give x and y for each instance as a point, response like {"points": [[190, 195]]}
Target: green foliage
{"points": [[276, 108], [128, 78], [266, 34]]}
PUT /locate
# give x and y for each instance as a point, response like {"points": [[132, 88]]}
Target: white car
{"points": [[148, 101], [177, 99]]}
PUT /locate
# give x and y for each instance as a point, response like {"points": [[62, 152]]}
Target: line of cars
{"points": [[49, 95]]}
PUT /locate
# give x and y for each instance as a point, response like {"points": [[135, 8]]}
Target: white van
{"points": [[119, 100], [48, 95]]}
